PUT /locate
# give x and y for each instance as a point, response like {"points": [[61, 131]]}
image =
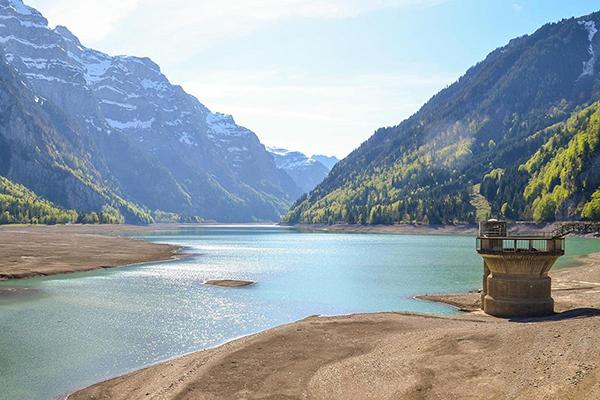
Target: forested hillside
{"points": [[560, 181], [511, 138], [19, 205]]}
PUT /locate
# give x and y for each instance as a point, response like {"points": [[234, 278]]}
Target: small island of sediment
{"points": [[230, 283]]}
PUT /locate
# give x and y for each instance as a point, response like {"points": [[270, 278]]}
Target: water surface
{"points": [[77, 329]]}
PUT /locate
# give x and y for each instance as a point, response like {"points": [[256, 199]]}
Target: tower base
{"points": [[518, 296]]}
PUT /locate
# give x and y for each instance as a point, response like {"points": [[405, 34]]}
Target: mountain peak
{"points": [[328, 161], [145, 61], [66, 33], [17, 6], [21, 14], [219, 118], [307, 172]]}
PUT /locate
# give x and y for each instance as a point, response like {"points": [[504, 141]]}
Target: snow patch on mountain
{"points": [[286, 159], [19, 7], [176, 122], [135, 124], [187, 139], [150, 84], [223, 126], [117, 104], [588, 66], [278, 151], [95, 71], [43, 77], [6, 39], [294, 159], [27, 24]]}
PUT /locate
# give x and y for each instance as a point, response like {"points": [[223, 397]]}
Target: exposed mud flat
{"points": [[29, 251]]}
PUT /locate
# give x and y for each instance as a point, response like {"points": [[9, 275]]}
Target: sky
{"points": [[309, 75]]}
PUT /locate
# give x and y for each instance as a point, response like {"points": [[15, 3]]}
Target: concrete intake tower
{"points": [[515, 276]]}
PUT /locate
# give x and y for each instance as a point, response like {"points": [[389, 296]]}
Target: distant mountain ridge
{"points": [[307, 172], [327, 161], [489, 144], [141, 139]]}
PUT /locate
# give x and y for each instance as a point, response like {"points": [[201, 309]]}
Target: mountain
{"points": [[39, 148], [139, 138], [305, 172], [513, 137], [328, 161]]}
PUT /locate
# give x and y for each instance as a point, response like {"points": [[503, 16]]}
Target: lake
{"points": [[77, 329]]}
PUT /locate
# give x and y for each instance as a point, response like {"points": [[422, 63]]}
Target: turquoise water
{"points": [[77, 329]]}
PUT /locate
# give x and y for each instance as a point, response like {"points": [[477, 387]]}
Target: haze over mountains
{"points": [[84, 129], [517, 136]]}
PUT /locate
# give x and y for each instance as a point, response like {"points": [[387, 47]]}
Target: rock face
{"points": [[143, 138], [306, 172], [38, 149]]}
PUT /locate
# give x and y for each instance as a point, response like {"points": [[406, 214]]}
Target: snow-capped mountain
{"points": [[328, 161], [148, 140], [307, 172]]}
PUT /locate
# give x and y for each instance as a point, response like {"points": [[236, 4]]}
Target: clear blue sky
{"points": [[315, 76]]}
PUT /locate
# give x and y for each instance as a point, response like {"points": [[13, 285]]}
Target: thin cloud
{"points": [[309, 113], [92, 20], [152, 27]]}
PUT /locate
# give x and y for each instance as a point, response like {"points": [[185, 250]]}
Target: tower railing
{"points": [[538, 245]]}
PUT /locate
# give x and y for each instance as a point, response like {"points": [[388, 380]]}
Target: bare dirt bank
{"points": [[396, 356], [28, 251], [393, 229], [419, 229]]}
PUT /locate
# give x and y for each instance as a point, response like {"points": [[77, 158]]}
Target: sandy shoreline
{"points": [[29, 251], [397, 356]]}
